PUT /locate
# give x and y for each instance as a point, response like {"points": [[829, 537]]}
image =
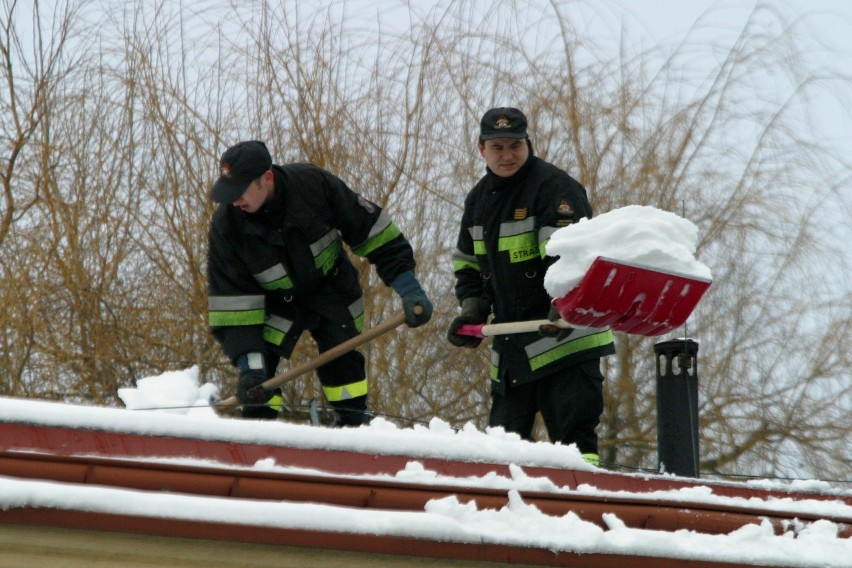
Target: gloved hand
{"points": [[412, 295], [249, 390], [559, 333], [472, 313], [252, 374]]}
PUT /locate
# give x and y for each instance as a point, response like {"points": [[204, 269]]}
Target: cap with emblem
{"points": [[503, 122], [240, 165]]}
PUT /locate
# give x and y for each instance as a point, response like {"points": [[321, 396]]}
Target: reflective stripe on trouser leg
{"points": [[275, 402], [346, 392], [592, 459]]}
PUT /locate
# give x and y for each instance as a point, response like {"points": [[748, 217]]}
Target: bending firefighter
{"points": [[277, 268], [500, 263]]}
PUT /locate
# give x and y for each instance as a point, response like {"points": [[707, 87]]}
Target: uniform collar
{"points": [[499, 183]]}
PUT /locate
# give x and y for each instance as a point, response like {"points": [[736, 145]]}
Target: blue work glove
{"points": [[252, 374], [408, 288], [559, 333], [472, 313]]}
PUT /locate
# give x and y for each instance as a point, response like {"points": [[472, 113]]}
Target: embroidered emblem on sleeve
{"points": [[366, 205], [564, 208]]}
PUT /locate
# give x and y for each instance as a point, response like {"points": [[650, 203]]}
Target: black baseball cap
{"points": [[503, 122], [240, 165]]}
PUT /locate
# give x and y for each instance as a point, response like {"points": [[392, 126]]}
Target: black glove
{"points": [[413, 296], [559, 333], [472, 313], [249, 390], [252, 373]]}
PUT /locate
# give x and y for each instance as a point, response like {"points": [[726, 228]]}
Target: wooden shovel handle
{"points": [[327, 356]]}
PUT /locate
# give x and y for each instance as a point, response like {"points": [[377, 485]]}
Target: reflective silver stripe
{"points": [[356, 308], [277, 272], [319, 246], [547, 343], [512, 228], [476, 232], [234, 303], [545, 233], [279, 323], [382, 223], [460, 256]]}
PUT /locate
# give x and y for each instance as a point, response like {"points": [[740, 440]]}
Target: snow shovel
{"points": [[325, 356], [626, 297], [631, 298]]}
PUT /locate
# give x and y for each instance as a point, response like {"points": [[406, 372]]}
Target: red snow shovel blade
{"points": [[631, 298]]}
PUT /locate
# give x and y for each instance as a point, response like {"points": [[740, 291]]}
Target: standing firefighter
{"points": [[277, 267], [500, 263]]}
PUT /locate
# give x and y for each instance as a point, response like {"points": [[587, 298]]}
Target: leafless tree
{"points": [[111, 133]]}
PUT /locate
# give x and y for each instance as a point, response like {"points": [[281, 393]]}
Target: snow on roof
{"points": [[446, 519]]}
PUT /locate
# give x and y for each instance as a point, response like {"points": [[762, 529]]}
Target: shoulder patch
{"points": [[366, 205], [521, 214], [564, 208]]}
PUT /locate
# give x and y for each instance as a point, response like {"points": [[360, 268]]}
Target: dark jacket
{"points": [[272, 274], [501, 258]]}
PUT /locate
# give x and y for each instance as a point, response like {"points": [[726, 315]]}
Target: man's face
{"points": [[504, 156], [255, 196]]}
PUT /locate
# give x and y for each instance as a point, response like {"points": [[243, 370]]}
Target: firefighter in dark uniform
{"points": [[500, 263], [277, 267]]}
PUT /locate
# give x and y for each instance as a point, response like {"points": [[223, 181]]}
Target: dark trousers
{"points": [[570, 402], [346, 369]]}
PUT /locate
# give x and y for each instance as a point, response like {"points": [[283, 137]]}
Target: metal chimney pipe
{"points": [[677, 407]]}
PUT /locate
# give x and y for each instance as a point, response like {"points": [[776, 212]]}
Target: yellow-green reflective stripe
{"points": [[593, 459], [563, 350], [542, 248], [383, 232], [356, 310], [479, 247], [461, 261], [235, 310], [225, 319], [284, 284], [544, 235], [520, 247], [462, 264], [517, 241], [275, 402], [276, 329], [325, 251], [345, 392], [274, 278], [494, 360], [273, 336]]}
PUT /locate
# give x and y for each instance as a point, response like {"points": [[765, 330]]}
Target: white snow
{"points": [[172, 389], [174, 404], [443, 519], [638, 235]]}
